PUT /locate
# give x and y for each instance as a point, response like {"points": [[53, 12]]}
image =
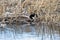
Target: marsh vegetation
{"points": [[46, 24]]}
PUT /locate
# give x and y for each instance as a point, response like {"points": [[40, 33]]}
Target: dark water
{"points": [[28, 32]]}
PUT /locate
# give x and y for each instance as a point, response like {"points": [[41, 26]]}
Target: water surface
{"points": [[28, 32]]}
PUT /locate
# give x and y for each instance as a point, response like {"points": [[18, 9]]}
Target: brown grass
{"points": [[47, 10]]}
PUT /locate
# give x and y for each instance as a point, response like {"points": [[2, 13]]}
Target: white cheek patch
{"points": [[33, 18]]}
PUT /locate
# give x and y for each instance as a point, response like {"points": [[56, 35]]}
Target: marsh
{"points": [[45, 27]]}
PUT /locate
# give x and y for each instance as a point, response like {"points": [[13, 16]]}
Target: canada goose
{"points": [[32, 16]]}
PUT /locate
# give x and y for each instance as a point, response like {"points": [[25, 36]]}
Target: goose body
{"points": [[30, 18]]}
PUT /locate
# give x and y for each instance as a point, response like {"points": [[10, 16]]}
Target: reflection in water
{"points": [[28, 32]]}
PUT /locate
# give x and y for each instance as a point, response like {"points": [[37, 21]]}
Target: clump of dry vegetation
{"points": [[47, 10]]}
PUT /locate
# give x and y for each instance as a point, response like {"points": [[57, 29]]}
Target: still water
{"points": [[28, 32]]}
